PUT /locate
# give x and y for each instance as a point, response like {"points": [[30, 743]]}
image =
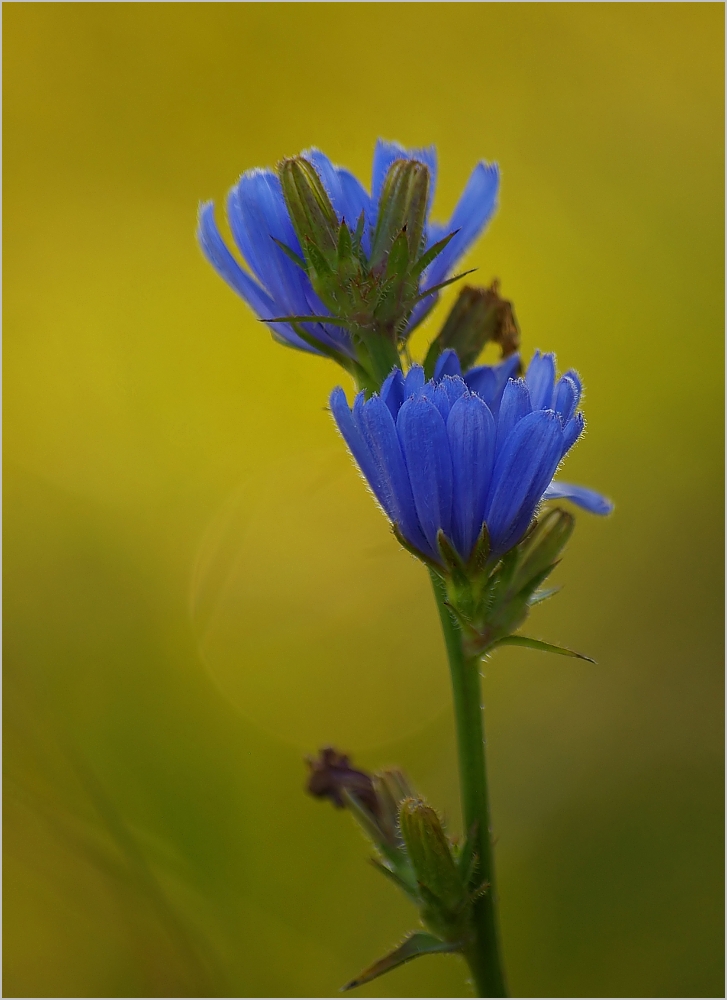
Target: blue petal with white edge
{"points": [[589, 500], [514, 406], [540, 377]]}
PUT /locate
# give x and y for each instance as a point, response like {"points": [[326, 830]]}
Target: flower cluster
{"points": [[268, 238], [453, 454]]}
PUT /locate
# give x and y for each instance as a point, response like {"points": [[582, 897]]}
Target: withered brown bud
{"points": [[331, 774]]}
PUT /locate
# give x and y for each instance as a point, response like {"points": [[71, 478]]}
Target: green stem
{"points": [[484, 957]]}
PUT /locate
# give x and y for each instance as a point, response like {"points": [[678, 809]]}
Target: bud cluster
{"points": [[370, 293], [436, 874]]}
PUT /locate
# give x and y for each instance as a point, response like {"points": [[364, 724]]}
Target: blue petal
{"points": [[540, 377], [524, 466], [219, 256], [474, 210], [385, 153], [589, 500], [454, 386], [576, 379], [572, 431], [257, 213], [392, 391], [447, 364], [414, 381], [441, 401], [483, 381], [514, 406], [423, 437], [386, 449], [489, 381], [565, 398], [358, 447], [471, 433]]}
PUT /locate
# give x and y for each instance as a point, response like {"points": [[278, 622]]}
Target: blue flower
{"points": [[441, 455], [256, 211]]}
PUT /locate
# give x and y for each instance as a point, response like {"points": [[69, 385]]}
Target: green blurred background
{"points": [[198, 590]]}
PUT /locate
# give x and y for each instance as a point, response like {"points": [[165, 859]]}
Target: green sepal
{"points": [[542, 595], [415, 944], [427, 560], [401, 883], [296, 258], [333, 320], [545, 647], [467, 859], [477, 562], [431, 254], [442, 284]]}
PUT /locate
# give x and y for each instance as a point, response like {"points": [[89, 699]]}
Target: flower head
{"points": [[454, 453], [269, 211]]}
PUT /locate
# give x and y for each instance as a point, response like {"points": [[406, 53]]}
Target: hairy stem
{"points": [[483, 956]]}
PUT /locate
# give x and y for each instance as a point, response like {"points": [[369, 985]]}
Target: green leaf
{"points": [[416, 944], [545, 647]]}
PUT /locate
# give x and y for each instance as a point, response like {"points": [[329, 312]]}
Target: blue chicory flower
{"points": [[442, 455], [256, 211]]}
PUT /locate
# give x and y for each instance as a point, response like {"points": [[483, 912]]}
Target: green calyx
{"points": [[491, 596], [479, 316], [371, 296]]}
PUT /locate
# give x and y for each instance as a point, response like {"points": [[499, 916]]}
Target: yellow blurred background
{"points": [[199, 591]]}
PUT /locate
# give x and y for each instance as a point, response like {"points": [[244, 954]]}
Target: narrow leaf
{"points": [[545, 647], [416, 944]]}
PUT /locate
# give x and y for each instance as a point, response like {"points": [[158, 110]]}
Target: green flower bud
{"points": [[402, 209], [445, 907], [314, 219]]}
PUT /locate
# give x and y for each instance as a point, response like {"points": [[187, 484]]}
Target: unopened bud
{"points": [[311, 212], [402, 208], [445, 898]]}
